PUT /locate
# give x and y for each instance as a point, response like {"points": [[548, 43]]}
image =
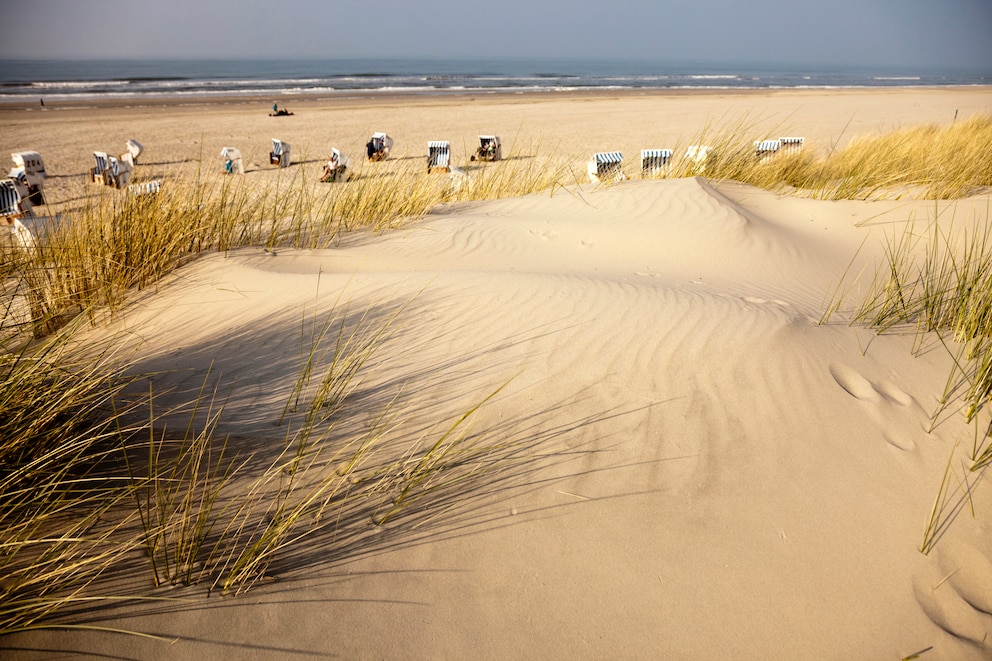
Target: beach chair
{"points": [[791, 145], [336, 168], [655, 161], [606, 166], [280, 153], [145, 188], [378, 147], [118, 172], [490, 149], [11, 212], [698, 156], [32, 167], [438, 155], [20, 181], [766, 149], [102, 163], [31, 162], [10, 199], [133, 148], [233, 163]]}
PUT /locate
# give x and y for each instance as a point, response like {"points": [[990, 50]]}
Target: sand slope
{"points": [[715, 474]]}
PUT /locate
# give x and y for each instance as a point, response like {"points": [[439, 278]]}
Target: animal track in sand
{"points": [[955, 592], [879, 396]]}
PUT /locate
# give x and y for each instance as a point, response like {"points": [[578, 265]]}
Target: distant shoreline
{"points": [[366, 98]]}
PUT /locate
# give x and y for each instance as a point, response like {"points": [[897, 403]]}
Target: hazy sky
{"points": [[916, 33]]}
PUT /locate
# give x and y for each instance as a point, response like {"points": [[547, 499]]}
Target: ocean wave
{"points": [[186, 79]]}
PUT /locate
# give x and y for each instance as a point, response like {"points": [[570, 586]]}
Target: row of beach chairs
{"points": [[608, 166], [23, 189], [604, 166], [378, 148], [116, 171]]}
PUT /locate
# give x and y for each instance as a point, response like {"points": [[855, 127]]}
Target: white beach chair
{"points": [[336, 168], [145, 188], [133, 148], [766, 149], [490, 148], [655, 161], [11, 212], [102, 164], [379, 146], [30, 166], [606, 166], [698, 156], [791, 145], [233, 163], [438, 155], [280, 153]]}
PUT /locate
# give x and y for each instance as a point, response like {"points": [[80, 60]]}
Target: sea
{"points": [[32, 81]]}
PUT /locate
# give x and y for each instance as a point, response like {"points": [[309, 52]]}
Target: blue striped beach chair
{"points": [[145, 188], [606, 166], [791, 145], [280, 153], [11, 212], [10, 199], [438, 155], [655, 161], [766, 149], [102, 164]]}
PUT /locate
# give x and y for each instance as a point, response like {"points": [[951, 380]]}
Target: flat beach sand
{"points": [[711, 473]]}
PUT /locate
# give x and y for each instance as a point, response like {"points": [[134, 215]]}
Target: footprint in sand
{"points": [[880, 396], [955, 592], [856, 385], [547, 235]]}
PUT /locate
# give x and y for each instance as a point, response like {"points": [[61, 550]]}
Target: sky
{"points": [[933, 34]]}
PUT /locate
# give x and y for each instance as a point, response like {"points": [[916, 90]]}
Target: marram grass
{"points": [[86, 482], [926, 162]]}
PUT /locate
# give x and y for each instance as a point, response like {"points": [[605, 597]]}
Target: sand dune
{"points": [[715, 474]]}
